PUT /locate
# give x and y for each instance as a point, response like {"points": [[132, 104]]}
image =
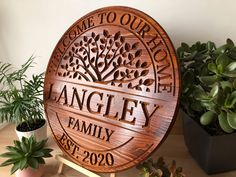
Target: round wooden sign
{"points": [[111, 89]]}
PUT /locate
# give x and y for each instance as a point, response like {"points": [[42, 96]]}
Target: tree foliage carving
{"points": [[106, 59]]}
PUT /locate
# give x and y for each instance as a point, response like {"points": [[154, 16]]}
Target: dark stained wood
{"points": [[111, 89]]}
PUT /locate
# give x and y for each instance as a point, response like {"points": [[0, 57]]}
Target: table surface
{"points": [[172, 149]]}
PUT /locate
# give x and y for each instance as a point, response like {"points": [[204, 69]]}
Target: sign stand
{"points": [[64, 161]]}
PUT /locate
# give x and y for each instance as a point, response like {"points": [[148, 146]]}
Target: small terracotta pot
{"points": [[30, 172]]}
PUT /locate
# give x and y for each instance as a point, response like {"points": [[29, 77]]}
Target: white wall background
{"points": [[34, 26]]}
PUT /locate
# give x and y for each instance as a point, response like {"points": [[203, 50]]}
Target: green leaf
{"points": [[231, 118], [46, 152], [13, 149], [40, 145], [33, 163], [185, 46], [226, 84], [15, 167], [210, 45], [41, 160], [212, 67], [220, 98], [196, 106], [208, 80], [234, 83], [38, 154], [12, 155], [24, 145], [224, 123], [222, 49], [207, 118], [230, 42], [230, 73], [200, 94], [180, 53], [214, 91], [8, 162], [222, 61], [23, 163], [231, 66], [188, 78], [231, 100]]}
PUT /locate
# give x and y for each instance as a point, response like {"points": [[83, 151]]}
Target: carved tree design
{"points": [[106, 59]]}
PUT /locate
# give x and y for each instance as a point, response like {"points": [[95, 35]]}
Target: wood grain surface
{"points": [[111, 89]]}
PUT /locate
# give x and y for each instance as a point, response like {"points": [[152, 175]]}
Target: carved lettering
{"points": [[90, 129], [63, 96], [85, 128], [50, 93], [162, 70], [85, 24], [76, 95], [165, 87], [110, 17], [136, 24], [68, 144], [130, 110], [65, 41], [72, 34], [108, 108], [125, 19], [144, 30], [134, 21], [98, 104], [92, 99], [146, 112], [101, 15], [154, 43]]}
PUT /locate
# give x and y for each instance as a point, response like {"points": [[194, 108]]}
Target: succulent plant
{"points": [[26, 153], [159, 168], [209, 83]]}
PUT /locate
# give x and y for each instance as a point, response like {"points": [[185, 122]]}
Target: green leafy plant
{"points": [[20, 97], [209, 84], [26, 153], [159, 168]]}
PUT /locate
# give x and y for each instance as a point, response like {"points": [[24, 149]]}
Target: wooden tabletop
{"points": [[172, 148]]}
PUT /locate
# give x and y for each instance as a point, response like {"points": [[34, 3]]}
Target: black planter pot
{"points": [[214, 154]]}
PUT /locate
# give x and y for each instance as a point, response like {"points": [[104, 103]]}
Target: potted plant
{"points": [[21, 100], [208, 103], [27, 157], [159, 168]]}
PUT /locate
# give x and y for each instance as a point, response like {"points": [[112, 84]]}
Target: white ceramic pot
{"points": [[29, 172], [40, 133]]}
